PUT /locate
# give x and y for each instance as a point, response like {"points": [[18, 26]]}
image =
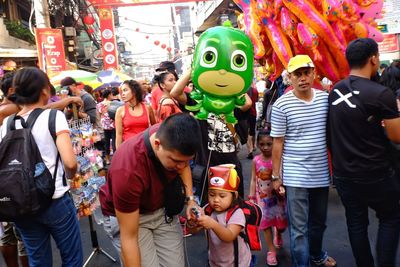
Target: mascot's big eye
{"points": [[239, 60], [209, 57]]}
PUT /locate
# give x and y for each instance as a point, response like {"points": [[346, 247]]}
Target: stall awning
{"points": [[17, 52]]}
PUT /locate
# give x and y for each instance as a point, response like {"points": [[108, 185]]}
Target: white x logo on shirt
{"points": [[344, 98]]}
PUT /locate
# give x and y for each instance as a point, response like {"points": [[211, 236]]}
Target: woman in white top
{"points": [[59, 220]]}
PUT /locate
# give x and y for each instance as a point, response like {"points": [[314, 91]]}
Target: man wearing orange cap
{"points": [[299, 129]]}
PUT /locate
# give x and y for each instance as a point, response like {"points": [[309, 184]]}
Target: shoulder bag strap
{"points": [[231, 128], [33, 117], [52, 129], [11, 123], [236, 251], [153, 158], [235, 242]]}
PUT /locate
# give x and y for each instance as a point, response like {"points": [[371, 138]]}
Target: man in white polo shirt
{"points": [[300, 162]]}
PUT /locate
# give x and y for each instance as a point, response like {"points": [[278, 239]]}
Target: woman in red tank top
{"points": [[135, 116], [167, 106]]}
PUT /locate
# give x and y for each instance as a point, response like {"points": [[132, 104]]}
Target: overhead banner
{"points": [[116, 3], [50, 47], [108, 40]]}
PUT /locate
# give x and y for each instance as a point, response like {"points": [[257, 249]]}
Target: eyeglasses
{"points": [[298, 73]]}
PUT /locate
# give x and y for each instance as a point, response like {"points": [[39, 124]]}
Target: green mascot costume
{"points": [[222, 72]]}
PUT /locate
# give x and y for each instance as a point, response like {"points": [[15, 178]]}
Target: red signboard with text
{"points": [[108, 40], [389, 44], [50, 47], [116, 3]]}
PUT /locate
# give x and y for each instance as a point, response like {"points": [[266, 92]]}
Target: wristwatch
{"points": [[275, 177], [189, 198]]}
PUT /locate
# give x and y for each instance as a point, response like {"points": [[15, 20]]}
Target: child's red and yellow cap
{"points": [[223, 177]]}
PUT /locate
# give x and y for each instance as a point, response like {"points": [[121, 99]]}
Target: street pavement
{"points": [[335, 240]]}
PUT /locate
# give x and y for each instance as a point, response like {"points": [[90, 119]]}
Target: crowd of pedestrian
{"points": [[150, 142]]}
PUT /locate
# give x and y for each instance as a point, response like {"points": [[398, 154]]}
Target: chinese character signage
{"points": [[50, 47], [116, 3], [108, 40]]}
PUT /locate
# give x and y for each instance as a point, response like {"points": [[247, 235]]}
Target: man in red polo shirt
{"points": [[136, 192]]}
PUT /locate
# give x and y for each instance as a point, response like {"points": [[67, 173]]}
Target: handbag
{"points": [[174, 190]]}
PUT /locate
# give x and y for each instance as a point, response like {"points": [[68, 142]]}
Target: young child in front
{"points": [[223, 183], [272, 203]]}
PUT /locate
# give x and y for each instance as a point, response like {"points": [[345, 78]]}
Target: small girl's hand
{"points": [[281, 191], [206, 221]]}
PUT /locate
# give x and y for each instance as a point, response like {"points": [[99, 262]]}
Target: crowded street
{"points": [[335, 240]]}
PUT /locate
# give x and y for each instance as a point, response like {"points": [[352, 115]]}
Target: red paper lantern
{"points": [[88, 19], [169, 49], [163, 46], [156, 42], [147, 37], [90, 30]]}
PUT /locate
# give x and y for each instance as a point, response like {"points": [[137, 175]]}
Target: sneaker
{"points": [[278, 241], [271, 259]]}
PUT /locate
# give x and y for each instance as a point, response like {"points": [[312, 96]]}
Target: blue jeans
{"points": [[307, 209], [60, 222], [382, 197]]}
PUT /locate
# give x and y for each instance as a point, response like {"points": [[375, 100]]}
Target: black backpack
{"points": [[26, 185]]}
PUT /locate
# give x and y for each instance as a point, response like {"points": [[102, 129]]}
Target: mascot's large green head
{"points": [[223, 62]]}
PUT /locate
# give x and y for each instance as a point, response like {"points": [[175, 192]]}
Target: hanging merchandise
{"points": [[86, 183], [322, 29]]}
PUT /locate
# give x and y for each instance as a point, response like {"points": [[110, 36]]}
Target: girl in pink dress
{"points": [[272, 203]]}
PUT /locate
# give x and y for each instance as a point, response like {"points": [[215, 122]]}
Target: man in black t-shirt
{"points": [[363, 119]]}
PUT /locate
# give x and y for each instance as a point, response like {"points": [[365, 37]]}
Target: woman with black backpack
{"points": [[49, 210]]}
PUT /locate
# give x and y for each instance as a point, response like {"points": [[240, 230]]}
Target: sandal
{"points": [[328, 262], [271, 259]]}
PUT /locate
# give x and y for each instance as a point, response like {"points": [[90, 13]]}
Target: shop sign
{"points": [[50, 47], [389, 44], [108, 40]]}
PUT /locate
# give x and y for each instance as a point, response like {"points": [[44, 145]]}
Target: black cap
{"points": [[67, 81]]}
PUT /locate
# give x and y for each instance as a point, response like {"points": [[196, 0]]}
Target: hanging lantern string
{"points": [[130, 29], [148, 24]]}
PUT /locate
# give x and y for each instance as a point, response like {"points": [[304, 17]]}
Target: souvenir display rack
{"points": [[85, 185]]}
